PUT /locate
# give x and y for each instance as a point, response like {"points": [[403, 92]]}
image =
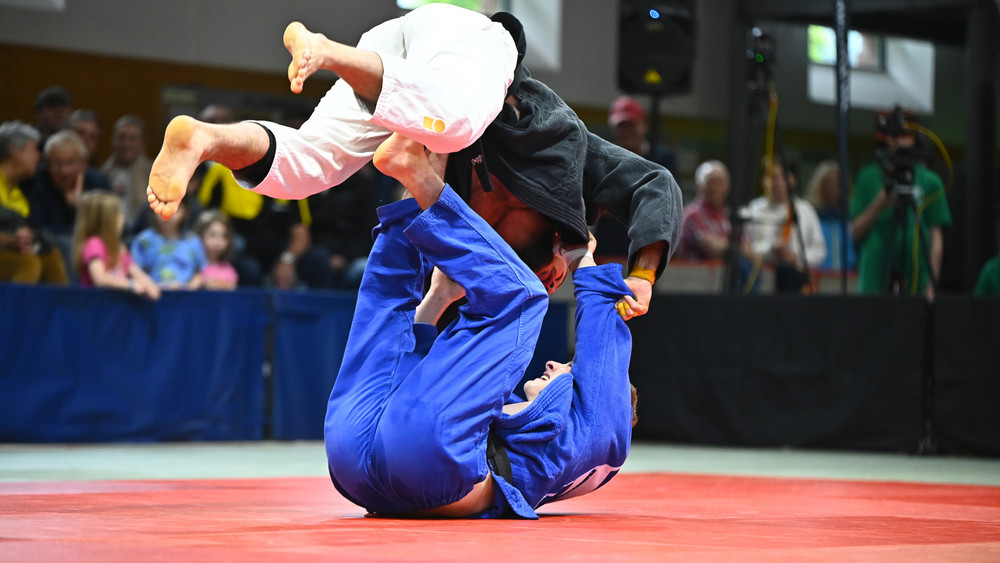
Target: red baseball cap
{"points": [[624, 109]]}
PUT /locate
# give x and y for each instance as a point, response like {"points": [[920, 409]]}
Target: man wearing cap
{"points": [[630, 124]]}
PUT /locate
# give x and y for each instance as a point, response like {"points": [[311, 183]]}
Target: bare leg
{"points": [[187, 143], [417, 169], [314, 51]]}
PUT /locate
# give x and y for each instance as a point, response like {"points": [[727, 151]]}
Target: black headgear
{"points": [[516, 30]]}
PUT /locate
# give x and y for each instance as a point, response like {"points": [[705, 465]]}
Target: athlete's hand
{"points": [[630, 307]]}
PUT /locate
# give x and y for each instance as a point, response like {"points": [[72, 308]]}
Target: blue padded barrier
{"points": [[310, 333], [86, 365]]}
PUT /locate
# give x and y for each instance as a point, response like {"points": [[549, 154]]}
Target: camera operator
{"points": [[897, 201]]}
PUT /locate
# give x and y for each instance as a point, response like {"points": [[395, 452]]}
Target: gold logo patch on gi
{"points": [[433, 124]]}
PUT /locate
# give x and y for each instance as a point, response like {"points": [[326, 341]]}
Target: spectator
{"points": [[216, 233], [989, 277], [171, 255], [874, 228], [53, 107], [128, 166], [85, 123], [274, 247], [25, 256], [277, 248], [824, 193], [55, 190], [630, 125], [99, 257], [784, 230], [215, 113], [705, 231]]}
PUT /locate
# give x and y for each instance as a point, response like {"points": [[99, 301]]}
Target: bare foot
{"points": [[441, 294], [445, 288], [399, 157], [410, 163], [172, 170], [306, 50]]}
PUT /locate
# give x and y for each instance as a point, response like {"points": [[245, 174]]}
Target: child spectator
{"points": [[99, 257], [216, 234], [171, 255]]}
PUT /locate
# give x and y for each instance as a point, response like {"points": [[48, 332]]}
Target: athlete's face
{"points": [[552, 370], [554, 274]]}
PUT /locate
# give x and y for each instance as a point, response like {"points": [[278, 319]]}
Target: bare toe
{"points": [[300, 43]]}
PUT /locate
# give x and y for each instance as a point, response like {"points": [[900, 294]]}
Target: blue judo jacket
{"points": [[574, 437]]}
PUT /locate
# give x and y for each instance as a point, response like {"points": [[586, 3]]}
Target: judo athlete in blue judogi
{"points": [[425, 424]]}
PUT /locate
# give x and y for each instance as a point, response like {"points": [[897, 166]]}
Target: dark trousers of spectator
{"points": [[789, 279]]}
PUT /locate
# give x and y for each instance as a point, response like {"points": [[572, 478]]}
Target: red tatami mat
{"points": [[640, 517]]}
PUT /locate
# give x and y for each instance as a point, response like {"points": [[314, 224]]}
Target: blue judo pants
{"points": [[409, 415]]}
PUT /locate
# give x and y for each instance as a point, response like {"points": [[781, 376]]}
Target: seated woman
{"points": [[26, 256]]}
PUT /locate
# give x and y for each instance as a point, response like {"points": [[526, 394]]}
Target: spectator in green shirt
{"points": [[874, 230]]}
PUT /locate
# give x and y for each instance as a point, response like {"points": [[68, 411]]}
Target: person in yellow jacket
{"points": [[25, 257]]}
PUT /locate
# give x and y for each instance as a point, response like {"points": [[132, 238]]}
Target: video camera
{"points": [[761, 56], [896, 150]]}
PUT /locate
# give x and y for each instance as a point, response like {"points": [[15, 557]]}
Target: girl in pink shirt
{"points": [[216, 234], [99, 257]]}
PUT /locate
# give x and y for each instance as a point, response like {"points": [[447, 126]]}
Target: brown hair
{"points": [[209, 217], [99, 215]]}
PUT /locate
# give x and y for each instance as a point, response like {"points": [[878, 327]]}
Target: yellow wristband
{"points": [[643, 274]]}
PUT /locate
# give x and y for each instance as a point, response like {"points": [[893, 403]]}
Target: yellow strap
{"points": [[643, 274]]}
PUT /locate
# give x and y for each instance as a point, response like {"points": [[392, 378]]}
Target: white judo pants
{"points": [[446, 74]]}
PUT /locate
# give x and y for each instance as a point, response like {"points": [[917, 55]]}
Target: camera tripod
{"points": [[904, 207]]}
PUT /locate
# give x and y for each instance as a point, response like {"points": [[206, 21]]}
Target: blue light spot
{"points": [[654, 14]]}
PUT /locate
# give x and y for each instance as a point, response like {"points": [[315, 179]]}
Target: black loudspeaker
{"points": [[656, 46]]}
